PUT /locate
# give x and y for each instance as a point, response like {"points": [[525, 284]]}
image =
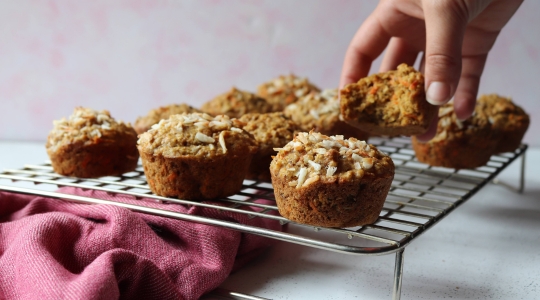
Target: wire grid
{"points": [[419, 197]]}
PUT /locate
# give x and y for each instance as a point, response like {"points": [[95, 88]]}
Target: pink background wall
{"points": [[131, 56]]}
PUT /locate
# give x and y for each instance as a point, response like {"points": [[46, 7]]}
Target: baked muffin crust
{"points": [[284, 90], [330, 181], [196, 156], [391, 103], [91, 143], [236, 103], [272, 130], [320, 112], [509, 121], [458, 144]]}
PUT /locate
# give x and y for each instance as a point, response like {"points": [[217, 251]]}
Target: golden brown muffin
{"points": [[285, 90], [509, 121], [458, 144], [236, 103], [142, 124], [392, 103], [330, 182], [92, 144], [272, 130], [320, 112], [196, 156]]}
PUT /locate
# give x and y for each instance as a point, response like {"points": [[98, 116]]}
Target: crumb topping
{"points": [[194, 134], [142, 124], [502, 112], [285, 90], [86, 125], [236, 103], [449, 125], [315, 110], [311, 157], [270, 130]]}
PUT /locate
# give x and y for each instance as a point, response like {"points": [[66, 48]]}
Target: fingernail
{"points": [[438, 93]]}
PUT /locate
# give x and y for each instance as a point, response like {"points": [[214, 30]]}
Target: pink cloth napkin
{"points": [[52, 249]]}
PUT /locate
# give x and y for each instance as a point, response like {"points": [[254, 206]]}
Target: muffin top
{"points": [[196, 134], [285, 90], [312, 157], [88, 126], [393, 102], [271, 130], [316, 110], [450, 127], [142, 124], [502, 112], [236, 103]]}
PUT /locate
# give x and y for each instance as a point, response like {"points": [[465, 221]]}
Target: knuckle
{"points": [[443, 62]]}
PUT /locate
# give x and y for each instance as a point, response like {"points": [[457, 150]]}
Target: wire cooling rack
{"points": [[420, 197]]}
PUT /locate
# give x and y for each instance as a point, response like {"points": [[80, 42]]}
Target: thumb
{"points": [[445, 27]]}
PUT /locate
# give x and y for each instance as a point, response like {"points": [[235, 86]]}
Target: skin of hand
{"points": [[454, 36]]}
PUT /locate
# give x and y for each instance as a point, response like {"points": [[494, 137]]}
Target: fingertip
{"points": [[438, 93], [430, 133], [464, 107]]}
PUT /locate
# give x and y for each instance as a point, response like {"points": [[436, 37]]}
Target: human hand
{"points": [[455, 37]]}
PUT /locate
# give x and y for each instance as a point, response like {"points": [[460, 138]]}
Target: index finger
{"points": [[367, 44]]}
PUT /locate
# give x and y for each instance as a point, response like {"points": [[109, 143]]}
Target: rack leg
{"points": [[398, 275], [522, 174], [521, 184]]}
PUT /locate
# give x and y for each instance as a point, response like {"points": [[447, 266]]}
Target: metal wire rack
{"points": [[420, 197]]}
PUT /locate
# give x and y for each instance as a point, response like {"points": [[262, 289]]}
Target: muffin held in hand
{"points": [[392, 103], [92, 144], [285, 90], [320, 112], [142, 124], [196, 156], [458, 144], [272, 130], [509, 121], [329, 181], [236, 103]]}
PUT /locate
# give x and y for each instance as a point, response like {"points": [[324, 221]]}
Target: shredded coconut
{"points": [[204, 138], [222, 142], [301, 176]]}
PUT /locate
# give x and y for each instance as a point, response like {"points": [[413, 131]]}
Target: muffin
{"points": [[392, 103], [320, 112], [458, 144], [272, 130], [285, 90], [142, 124], [196, 156], [92, 144], [509, 121], [330, 181], [236, 103]]}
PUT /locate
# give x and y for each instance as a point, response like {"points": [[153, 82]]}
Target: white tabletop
{"points": [[489, 248]]}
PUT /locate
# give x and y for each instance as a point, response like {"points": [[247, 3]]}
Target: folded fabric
{"points": [[53, 249]]}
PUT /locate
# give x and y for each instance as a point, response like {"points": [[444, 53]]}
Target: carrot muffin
{"points": [[392, 103], [92, 144], [272, 130], [509, 121], [196, 156], [458, 144], [285, 90], [320, 112], [142, 124], [236, 103], [330, 181]]}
